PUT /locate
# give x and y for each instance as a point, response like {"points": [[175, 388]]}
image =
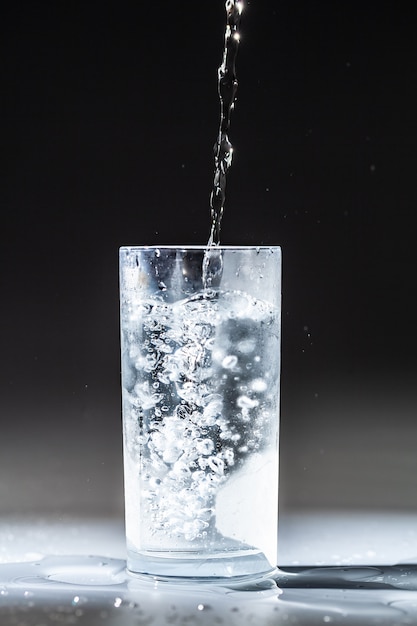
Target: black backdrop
{"points": [[111, 112]]}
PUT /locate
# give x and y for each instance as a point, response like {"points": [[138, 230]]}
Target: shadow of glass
{"points": [[400, 576]]}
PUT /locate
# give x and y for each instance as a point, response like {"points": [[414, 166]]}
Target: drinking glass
{"points": [[200, 395]]}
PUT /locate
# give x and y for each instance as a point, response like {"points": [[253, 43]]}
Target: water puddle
{"points": [[93, 590]]}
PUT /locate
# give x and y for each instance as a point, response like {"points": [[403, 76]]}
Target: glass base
{"points": [[209, 567]]}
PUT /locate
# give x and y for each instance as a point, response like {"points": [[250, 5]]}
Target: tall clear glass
{"points": [[200, 379]]}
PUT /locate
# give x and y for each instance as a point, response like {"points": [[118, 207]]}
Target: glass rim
{"points": [[199, 247]]}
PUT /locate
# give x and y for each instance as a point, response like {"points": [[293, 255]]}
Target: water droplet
{"points": [[258, 384]]}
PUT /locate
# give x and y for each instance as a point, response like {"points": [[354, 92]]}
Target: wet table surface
{"points": [[334, 568]]}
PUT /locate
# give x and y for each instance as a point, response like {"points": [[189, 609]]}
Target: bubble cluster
{"points": [[199, 393]]}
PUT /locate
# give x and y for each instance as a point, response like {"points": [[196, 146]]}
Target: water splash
{"points": [[227, 87], [223, 149]]}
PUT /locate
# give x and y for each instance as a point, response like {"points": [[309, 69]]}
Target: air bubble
{"points": [[216, 464], [258, 385], [247, 346], [229, 362], [244, 402]]}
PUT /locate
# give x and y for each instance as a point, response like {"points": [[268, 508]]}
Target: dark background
{"points": [[111, 112]]}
